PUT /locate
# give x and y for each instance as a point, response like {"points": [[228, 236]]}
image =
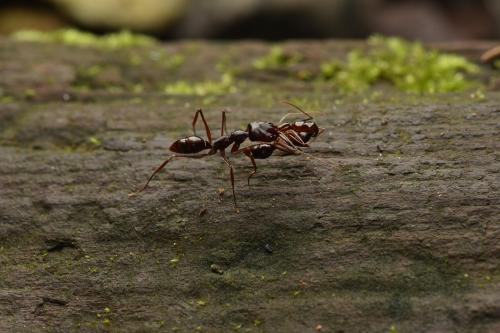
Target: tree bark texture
{"points": [[390, 222]]}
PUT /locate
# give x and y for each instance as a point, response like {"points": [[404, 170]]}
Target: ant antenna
{"points": [[298, 108], [319, 159]]}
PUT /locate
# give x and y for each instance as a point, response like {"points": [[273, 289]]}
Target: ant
{"points": [[284, 136]]}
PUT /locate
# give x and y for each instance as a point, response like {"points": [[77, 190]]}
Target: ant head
{"points": [[307, 126]]}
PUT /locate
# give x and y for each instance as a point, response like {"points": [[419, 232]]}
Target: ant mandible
{"points": [[284, 136]]}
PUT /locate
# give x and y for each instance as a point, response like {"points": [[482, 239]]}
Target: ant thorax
{"points": [[262, 131], [221, 143]]}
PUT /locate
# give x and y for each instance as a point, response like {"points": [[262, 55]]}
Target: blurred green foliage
{"points": [[277, 58], [407, 65], [79, 38], [209, 87]]}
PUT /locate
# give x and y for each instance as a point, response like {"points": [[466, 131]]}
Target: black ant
{"points": [[285, 137]]}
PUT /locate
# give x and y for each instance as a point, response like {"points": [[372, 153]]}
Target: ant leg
{"points": [[158, 169], [223, 124], [296, 107], [242, 150], [195, 119], [224, 157], [235, 148], [288, 143], [297, 138], [207, 129], [249, 154], [287, 149], [225, 127]]}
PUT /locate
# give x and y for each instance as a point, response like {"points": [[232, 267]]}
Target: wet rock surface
{"points": [[392, 220]]}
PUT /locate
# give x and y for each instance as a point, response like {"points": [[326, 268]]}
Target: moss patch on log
{"points": [[407, 65]]}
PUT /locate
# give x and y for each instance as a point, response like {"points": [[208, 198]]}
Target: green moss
{"points": [[164, 59], [174, 61], [404, 136], [478, 95], [209, 87], [29, 93], [407, 65], [6, 99], [95, 141], [86, 75], [79, 38], [277, 58]]}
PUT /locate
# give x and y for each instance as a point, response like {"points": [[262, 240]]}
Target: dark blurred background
{"points": [[428, 20]]}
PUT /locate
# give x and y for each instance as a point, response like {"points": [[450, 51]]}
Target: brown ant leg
{"points": [[223, 124], [224, 157], [297, 138], [288, 149], [249, 154], [235, 148], [207, 129], [158, 169], [247, 148], [288, 143]]}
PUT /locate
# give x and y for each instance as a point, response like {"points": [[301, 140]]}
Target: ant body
{"points": [[284, 136]]}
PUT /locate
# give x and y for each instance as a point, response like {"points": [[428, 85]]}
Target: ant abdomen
{"points": [[190, 145]]}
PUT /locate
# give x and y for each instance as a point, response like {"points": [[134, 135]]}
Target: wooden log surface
{"points": [[391, 223]]}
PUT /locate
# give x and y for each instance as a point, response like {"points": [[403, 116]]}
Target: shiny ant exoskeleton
{"points": [[284, 136]]}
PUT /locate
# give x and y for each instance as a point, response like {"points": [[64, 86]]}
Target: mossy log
{"points": [[391, 223]]}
